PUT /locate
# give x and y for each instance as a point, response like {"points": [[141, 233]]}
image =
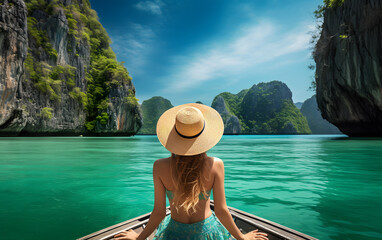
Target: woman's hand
{"points": [[129, 235], [255, 235]]}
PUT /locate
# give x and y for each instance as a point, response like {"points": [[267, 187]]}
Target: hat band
{"points": [[184, 136]]}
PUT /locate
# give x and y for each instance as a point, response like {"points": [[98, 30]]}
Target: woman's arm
{"points": [[220, 204], [158, 213], [221, 209]]}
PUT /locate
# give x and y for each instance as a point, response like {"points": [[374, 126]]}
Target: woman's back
{"points": [[203, 211], [188, 131]]}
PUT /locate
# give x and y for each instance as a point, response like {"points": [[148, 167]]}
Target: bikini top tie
{"points": [[170, 195]]}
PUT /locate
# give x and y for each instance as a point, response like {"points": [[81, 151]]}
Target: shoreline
{"points": [[132, 135]]}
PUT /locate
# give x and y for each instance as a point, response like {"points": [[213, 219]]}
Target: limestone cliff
{"points": [[316, 123], [267, 108], [70, 82], [13, 49], [231, 122], [348, 59]]}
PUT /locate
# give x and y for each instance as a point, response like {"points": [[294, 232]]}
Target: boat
{"points": [[245, 222]]}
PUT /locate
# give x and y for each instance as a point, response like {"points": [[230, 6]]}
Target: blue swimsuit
{"points": [[207, 229], [170, 195]]}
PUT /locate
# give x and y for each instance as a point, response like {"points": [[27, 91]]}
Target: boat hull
{"points": [[245, 222]]}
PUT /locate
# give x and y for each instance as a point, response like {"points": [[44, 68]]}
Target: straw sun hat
{"points": [[190, 129]]}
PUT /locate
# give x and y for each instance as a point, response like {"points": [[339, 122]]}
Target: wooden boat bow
{"points": [[245, 222]]}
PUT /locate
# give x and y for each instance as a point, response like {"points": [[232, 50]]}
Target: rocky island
{"points": [[265, 108], [152, 109], [349, 66], [58, 73]]}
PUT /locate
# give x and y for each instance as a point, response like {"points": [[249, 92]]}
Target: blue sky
{"points": [[191, 50]]}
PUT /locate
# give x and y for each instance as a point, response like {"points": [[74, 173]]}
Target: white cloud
{"points": [[249, 48], [135, 44], [150, 6]]}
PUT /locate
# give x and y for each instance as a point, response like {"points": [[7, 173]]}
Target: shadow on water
{"points": [[356, 138], [350, 206]]}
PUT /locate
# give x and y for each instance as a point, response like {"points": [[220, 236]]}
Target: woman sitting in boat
{"points": [[187, 177]]}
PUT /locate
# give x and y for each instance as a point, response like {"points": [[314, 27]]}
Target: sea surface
{"points": [[329, 187]]}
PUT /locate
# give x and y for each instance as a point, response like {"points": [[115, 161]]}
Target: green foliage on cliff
{"points": [[233, 101], [289, 114], [103, 118], [39, 73], [333, 3], [152, 109], [40, 37], [46, 113], [327, 4], [81, 97], [65, 73], [48, 79], [131, 100], [104, 73]]}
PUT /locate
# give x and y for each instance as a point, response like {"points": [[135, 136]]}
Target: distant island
{"points": [[317, 124], [152, 109], [265, 108]]}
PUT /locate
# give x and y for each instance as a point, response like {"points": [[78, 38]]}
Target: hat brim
{"points": [[173, 142]]}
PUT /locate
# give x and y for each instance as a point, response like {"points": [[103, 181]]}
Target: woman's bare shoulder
{"points": [[217, 164], [216, 159], [161, 163]]}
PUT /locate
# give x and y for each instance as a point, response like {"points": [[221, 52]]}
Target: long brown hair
{"points": [[187, 176]]}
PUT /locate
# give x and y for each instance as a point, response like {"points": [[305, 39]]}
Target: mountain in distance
{"points": [[265, 108], [317, 124], [227, 104], [298, 104], [152, 109]]}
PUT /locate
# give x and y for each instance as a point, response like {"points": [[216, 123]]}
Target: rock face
{"points": [[264, 99], [68, 82], [232, 125], [265, 108], [349, 67], [231, 122], [152, 109], [317, 124], [13, 49]]}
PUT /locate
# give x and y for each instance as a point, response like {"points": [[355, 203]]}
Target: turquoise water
{"points": [[329, 187]]}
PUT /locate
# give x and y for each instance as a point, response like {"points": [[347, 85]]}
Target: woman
{"points": [[187, 178]]}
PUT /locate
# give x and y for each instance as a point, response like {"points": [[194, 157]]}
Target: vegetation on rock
{"points": [[104, 70], [48, 79], [152, 109], [46, 113], [265, 108]]}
